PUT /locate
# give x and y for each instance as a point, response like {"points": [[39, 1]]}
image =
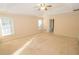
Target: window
{"points": [[6, 26], [40, 23]]}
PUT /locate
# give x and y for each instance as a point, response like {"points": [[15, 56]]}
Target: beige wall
{"points": [[23, 25], [45, 22], [67, 24], [46, 19]]}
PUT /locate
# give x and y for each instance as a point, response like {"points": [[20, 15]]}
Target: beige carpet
{"points": [[50, 44], [42, 44]]}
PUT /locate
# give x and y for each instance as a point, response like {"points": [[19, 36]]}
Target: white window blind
{"points": [[6, 26], [40, 23]]}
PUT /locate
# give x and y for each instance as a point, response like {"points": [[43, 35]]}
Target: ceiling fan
{"points": [[43, 6]]}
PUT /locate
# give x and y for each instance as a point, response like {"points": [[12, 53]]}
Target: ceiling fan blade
{"points": [[76, 10], [49, 5], [46, 9]]}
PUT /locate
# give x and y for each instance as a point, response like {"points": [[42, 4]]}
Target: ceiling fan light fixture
{"points": [[44, 6]]}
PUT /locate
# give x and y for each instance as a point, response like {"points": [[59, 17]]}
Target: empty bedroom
{"points": [[39, 28]]}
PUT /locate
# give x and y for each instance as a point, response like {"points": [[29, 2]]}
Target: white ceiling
{"points": [[31, 8]]}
